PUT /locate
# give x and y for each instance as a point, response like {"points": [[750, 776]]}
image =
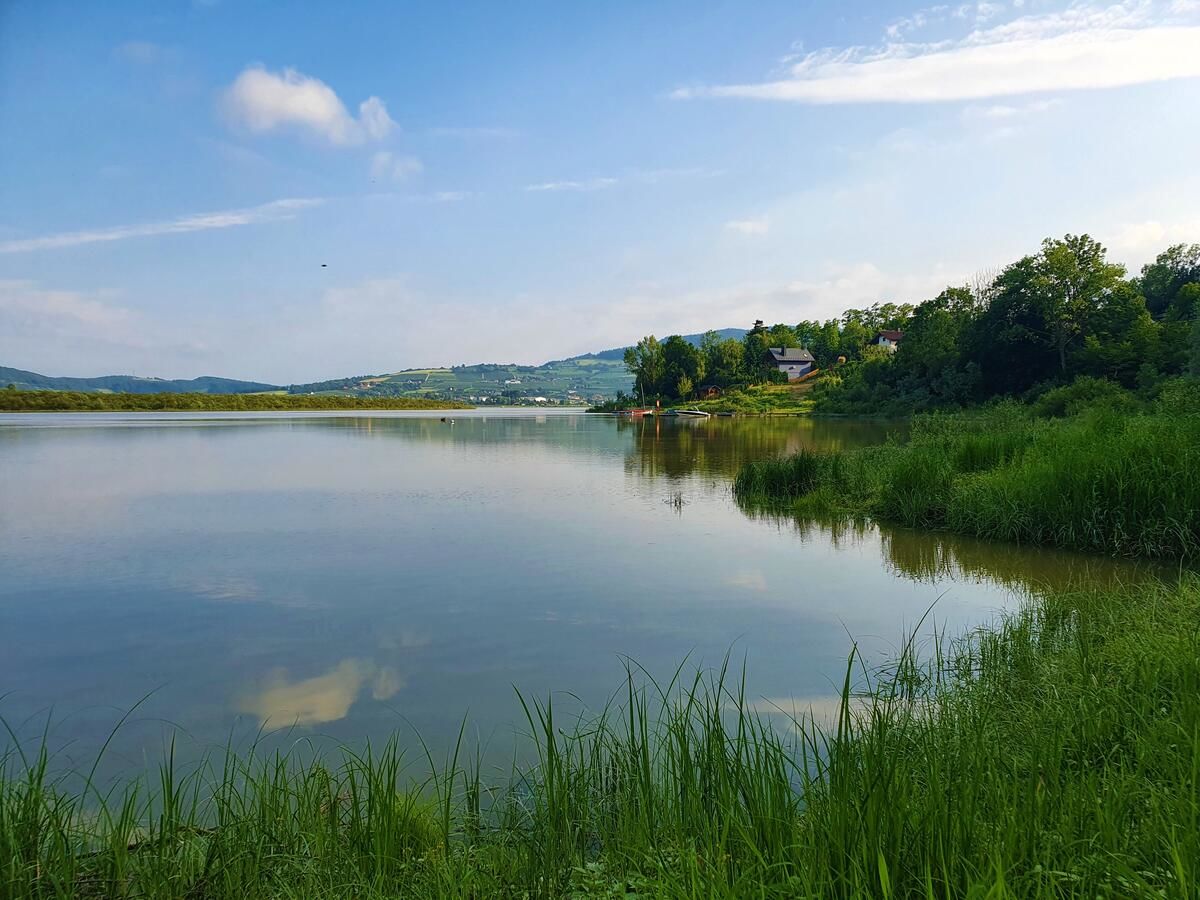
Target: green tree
{"points": [[723, 359], [645, 361], [754, 353], [854, 338], [1194, 356], [681, 361], [827, 344], [933, 334], [1121, 337], [1072, 277], [1172, 270]]}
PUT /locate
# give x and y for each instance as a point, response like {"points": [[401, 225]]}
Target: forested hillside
{"points": [[1063, 313]]}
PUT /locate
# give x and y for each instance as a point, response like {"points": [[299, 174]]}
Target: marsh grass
{"points": [[1105, 481], [1056, 754]]}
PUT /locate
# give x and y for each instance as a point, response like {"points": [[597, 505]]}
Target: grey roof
{"points": [[790, 355]]}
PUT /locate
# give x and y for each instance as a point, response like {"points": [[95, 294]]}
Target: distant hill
{"points": [[130, 384], [618, 353], [591, 376]]}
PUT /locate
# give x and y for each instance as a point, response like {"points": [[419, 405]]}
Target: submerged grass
{"points": [[1106, 481], [1055, 755]]}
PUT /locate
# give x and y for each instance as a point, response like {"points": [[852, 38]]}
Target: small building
{"points": [[889, 340], [794, 362], [708, 392]]}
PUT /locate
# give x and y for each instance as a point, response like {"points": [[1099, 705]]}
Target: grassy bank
{"points": [[73, 401], [1057, 755], [1104, 480], [750, 400]]}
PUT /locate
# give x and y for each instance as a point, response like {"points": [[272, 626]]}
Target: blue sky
{"points": [[518, 182]]}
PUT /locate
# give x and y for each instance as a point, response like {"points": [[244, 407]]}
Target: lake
{"points": [[351, 574]]}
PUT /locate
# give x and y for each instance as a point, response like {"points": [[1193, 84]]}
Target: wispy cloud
{"points": [[385, 164], [749, 226], [645, 176], [261, 101], [142, 53], [588, 184], [475, 133], [1080, 48], [230, 218]]}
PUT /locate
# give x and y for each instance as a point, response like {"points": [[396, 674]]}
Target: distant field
{"points": [[581, 380]]}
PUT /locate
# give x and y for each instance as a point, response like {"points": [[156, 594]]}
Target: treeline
{"points": [[1047, 319], [12, 400]]}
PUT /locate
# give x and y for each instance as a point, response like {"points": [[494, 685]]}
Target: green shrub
{"points": [[1085, 391], [1179, 396]]}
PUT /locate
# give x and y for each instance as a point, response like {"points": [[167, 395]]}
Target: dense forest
{"points": [[1043, 321]]}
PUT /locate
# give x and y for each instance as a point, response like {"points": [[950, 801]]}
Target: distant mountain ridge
{"points": [[131, 384], [589, 375], [618, 353]]}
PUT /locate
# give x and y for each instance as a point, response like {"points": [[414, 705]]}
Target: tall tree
{"points": [[1073, 276], [646, 363], [683, 367]]}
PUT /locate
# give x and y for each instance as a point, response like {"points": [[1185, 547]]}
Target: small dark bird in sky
{"points": [[323, 266]]}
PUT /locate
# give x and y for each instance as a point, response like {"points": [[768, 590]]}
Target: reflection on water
{"points": [[933, 557], [321, 699], [350, 574], [680, 447]]}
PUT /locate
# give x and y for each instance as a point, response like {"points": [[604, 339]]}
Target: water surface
{"points": [[347, 574]]}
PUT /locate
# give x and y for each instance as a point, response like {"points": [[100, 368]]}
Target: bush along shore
{"points": [[81, 401], [1108, 479], [1055, 755]]}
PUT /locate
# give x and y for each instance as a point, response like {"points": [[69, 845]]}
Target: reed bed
{"points": [[1103, 481], [1056, 754]]}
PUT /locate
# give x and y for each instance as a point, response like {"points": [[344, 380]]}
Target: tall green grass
{"points": [[1054, 755], [1126, 485]]}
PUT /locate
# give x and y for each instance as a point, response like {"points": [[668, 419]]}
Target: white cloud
{"points": [[1080, 48], [749, 226], [1005, 112], [230, 218], [262, 101], [143, 53], [53, 310], [589, 184], [385, 164], [1145, 239]]}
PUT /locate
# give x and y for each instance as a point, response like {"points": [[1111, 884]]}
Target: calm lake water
{"points": [[354, 574]]}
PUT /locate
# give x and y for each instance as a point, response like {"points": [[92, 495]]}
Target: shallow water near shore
{"points": [[345, 575]]}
